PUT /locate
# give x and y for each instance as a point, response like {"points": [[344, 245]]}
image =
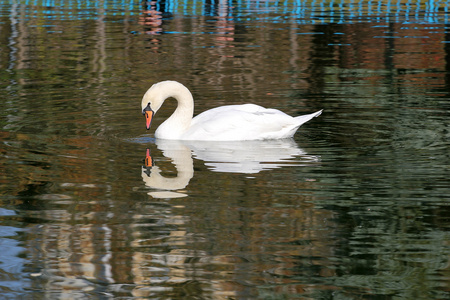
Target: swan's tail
{"points": [[306, 118]]}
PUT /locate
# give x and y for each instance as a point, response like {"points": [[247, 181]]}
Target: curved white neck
{"points": [[182, 159], [181, 118]]}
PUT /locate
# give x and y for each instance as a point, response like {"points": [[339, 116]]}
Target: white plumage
{"points": [[224, 123]]}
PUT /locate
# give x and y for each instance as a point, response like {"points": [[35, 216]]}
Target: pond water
{"points": [[355, 206]]}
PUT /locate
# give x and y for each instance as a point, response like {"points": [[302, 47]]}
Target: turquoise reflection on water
{"points": [[305, 12]]}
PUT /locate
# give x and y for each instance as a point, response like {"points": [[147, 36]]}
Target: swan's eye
{"points": [[147, 108]]}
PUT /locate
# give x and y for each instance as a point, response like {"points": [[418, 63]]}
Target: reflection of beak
{"points": [[148, 163], [148, 118], [148, 159]]}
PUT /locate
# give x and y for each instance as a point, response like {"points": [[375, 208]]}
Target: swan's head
{"points": [[157, 93], [152, 101]]}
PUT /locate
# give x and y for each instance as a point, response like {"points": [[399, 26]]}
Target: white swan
{"points": [[224, 123]]}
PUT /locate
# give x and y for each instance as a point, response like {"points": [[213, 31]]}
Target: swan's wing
{"points": [[240, 122]]}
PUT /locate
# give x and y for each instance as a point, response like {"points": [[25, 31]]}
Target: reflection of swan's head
{"points": [[159, 92], [154, 178], [148, 164]]}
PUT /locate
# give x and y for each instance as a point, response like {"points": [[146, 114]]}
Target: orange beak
{"points": [[148, 118], [148, 159]]}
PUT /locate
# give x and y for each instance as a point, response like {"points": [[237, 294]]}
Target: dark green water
{"points": [[355, 206]]}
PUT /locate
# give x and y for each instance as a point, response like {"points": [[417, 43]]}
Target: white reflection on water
{"points": [[250, 157], [181, 158], [247, 157]]}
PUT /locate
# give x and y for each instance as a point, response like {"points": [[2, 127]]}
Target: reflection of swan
{"points": [[250, 156], [181, 158], [224, 123]]}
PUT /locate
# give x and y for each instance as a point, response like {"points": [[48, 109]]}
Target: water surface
{"points": [[355, 206]]}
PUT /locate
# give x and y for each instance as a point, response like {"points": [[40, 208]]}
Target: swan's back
{"points": [[243, 122]]}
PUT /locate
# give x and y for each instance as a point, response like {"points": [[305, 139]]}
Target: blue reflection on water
{"points": [[304, 12], [10, 259]]}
